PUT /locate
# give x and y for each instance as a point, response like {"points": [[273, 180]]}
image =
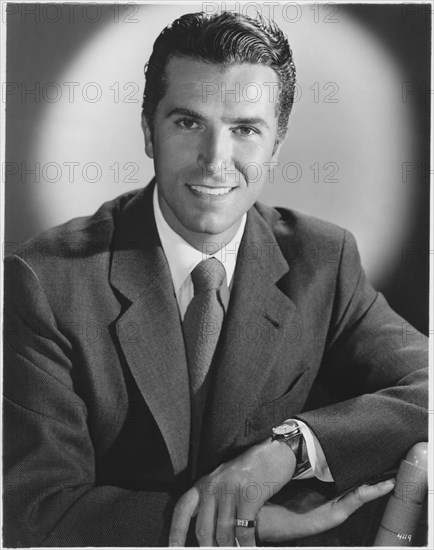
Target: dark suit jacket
{"points": [[97, 407]]}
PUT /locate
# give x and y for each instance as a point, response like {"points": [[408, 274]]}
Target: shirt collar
{"points": [[183, 258]]}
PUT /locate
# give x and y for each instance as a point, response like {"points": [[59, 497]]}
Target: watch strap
{"points": [[301, 455], [297, 443]]}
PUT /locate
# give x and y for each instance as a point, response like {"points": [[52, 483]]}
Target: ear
{"points": [[149, 149]]}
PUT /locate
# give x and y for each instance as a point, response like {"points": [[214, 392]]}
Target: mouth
{"points": [[204, 191]]}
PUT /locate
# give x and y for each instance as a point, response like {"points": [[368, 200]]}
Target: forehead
{"points": [[250, 88]]}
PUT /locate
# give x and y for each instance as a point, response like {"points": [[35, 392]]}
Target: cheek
{"points": [[175, 153], [255, 167]]}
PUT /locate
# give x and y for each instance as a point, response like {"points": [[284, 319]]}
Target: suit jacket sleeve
{"points": [[375, 367], [50, 494]]}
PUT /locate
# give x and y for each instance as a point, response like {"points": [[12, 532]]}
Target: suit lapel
{"points": [[253, 332], [149, 329]]}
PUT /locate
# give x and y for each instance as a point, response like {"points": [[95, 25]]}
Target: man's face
{"points": [[215, 132]]}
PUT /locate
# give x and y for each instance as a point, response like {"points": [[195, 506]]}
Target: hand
{"points": [[236, 489], [310, 516]]}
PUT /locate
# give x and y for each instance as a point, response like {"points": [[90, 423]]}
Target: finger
{"points": [[273, 523], [185, 509], [205, 522], [225, 531], [246, 535], [348, 504]]}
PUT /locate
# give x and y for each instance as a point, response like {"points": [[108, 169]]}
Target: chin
{"points": [[210, 227]]}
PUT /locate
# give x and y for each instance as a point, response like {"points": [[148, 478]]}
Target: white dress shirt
{"points": [[182, 259]]}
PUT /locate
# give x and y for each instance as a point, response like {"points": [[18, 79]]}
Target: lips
{"points": [[211, 191]]}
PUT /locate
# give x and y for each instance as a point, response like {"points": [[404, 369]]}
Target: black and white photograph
{"points": [[216, 274]]}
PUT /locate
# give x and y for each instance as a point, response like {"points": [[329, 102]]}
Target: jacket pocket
{"points": [[261, 419]]}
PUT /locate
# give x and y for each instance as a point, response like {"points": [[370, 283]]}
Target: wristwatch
{"points": [[289, 432]]}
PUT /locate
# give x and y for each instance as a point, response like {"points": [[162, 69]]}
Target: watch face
{"points": [[285, 429]]}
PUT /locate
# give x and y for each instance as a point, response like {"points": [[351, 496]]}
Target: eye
{"points": [[187, 123], [245, 131]]}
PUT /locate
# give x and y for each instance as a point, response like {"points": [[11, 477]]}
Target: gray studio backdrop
{"points": [[357, 146]]}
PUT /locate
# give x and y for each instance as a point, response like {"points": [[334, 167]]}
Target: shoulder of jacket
{"points": [[288, 223], [77, 238]]}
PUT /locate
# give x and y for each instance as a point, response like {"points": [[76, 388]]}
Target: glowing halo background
{"points": [[359, 114]]}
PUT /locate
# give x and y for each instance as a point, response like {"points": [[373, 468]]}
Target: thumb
{"points": [[344, 506], [185, 510]]}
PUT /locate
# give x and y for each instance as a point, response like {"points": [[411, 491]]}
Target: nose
{"points": [[215, 153]]}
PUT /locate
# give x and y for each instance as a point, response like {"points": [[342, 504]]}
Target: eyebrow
{"points": [[249, 120], [198, 116], [185, 112]]}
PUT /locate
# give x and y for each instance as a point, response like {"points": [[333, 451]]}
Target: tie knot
{"points": [[208, 275]]}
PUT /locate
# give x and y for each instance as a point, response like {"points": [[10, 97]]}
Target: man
{"points": [[139, 410]]}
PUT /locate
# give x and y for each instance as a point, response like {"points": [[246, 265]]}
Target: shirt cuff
{"points": [[319, 467]]}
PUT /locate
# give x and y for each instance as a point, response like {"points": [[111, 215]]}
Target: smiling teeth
{"points": [[211, 190]]}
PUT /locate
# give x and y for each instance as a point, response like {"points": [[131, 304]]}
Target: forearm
{"points": [[51, 498], [375, 369], [110, 516], [101, 516], [366, 435]]}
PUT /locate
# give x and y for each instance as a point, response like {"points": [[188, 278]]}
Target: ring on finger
{"points": [[245, 522]]}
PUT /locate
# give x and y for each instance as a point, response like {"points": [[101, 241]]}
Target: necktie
{"points": [[202, 326]]}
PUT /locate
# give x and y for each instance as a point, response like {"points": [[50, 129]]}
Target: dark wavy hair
{"points": [[225, 39]]}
